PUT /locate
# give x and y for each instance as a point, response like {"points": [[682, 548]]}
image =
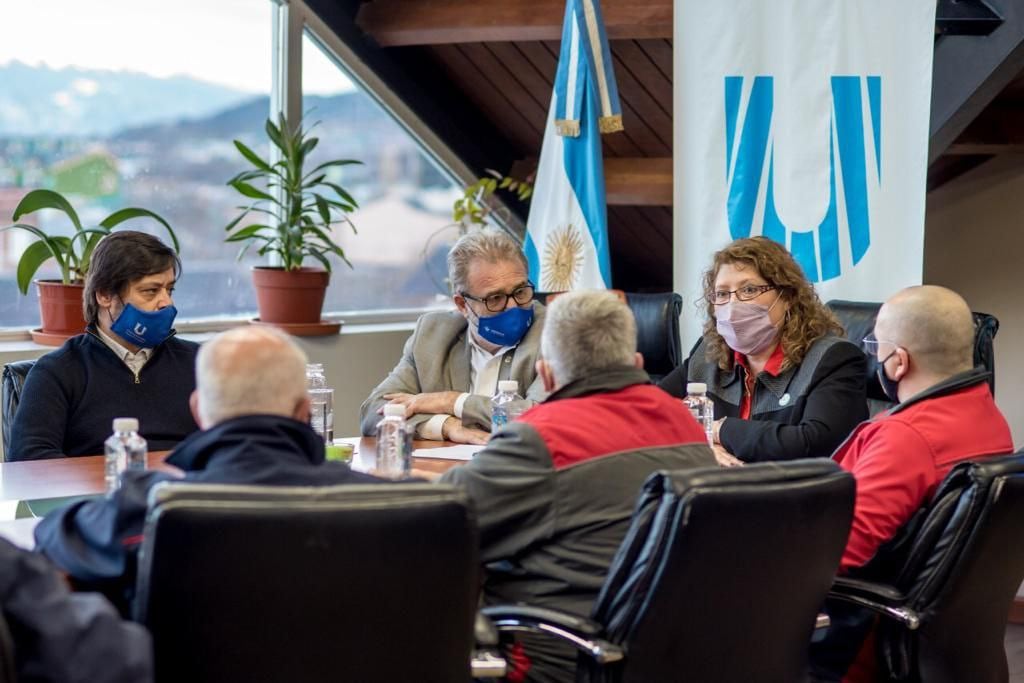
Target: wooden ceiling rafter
{"points": [[394, 23], [628, 181]]}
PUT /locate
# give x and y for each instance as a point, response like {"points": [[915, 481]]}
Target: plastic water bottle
{"points": [[506, 405], [321, 402], [701, 407], [125, 450], [394, 443]]}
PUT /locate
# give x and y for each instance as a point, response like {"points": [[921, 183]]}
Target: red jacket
{"points": [[899, 458]]}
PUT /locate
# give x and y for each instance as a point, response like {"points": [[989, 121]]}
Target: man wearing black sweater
{"points": [[127, 364], [252, 405]]}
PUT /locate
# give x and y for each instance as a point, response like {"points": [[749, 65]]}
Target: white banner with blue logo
{"points": [[807, 122], [567, 231]]}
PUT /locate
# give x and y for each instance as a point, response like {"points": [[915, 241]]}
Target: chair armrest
{"points": [[878, 597], [574, 629], [484, 632]]}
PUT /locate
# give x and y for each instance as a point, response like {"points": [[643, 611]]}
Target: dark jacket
{"points": [[804, 412], [66, 637], [96, 541], [554, 491], [73, 394]]}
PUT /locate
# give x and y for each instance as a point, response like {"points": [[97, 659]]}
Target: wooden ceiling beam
{"points": [[641, 181], [998, 130], [395, 23]]}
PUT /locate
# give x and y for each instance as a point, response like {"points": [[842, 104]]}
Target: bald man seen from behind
{"points": [[253, 411], [924, 342]]}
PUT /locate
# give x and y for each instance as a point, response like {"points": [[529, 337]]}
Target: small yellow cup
{"points": [[340, 452]]}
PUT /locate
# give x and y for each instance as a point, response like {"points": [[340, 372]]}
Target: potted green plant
{"points": [[60, 301], [297, 211]]}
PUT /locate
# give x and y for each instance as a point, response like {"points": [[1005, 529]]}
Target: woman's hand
{"points": [[724, 458], [715, 426]]}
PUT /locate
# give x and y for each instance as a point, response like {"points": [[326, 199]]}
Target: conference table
{"points": [[30, 486], [24, 483]]}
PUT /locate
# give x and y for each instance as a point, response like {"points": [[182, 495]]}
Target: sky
{"points": [[221, 41]]}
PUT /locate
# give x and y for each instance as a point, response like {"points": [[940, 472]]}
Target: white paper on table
{"points": [[460, 452]]}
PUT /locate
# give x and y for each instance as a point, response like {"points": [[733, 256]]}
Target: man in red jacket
{"points": [[924, 341], [554, 491]]}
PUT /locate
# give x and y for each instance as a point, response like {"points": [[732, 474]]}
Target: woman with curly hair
{"points": [[784, 382]]}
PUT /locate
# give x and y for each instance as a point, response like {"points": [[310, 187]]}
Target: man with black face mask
{"points": [[127, 364], [451, 365], [924, 341]]}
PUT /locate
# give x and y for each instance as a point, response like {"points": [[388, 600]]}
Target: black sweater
{"points": [[72, 395], [804, 412]]}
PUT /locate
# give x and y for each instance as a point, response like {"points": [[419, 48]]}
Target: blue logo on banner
{"points": [[745, 162]]}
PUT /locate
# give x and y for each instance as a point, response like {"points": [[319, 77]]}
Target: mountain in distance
{"points": [[352, 108], [42, 101]]}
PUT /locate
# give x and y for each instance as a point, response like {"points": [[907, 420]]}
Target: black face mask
{"points": [[889, 386]]}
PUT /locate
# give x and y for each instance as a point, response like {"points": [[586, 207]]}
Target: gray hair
{"points": [[585, 332], [489, 244], [249, 371]]}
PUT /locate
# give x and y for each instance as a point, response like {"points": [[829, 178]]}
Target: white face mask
{"points": [[745, 326]]}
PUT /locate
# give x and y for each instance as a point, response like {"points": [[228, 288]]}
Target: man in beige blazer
{"points": [[452, 363]]}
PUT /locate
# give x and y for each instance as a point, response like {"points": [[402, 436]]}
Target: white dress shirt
{"points": [[134, 361], [484, 369]]}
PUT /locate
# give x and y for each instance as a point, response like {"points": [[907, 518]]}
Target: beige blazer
{"points": [[437, 358]]}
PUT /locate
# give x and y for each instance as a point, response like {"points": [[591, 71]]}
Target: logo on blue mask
{"points": [[144, 328], [507, 328]]}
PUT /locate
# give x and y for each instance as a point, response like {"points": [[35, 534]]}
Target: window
{"points": [[134, 103], [405, 201]]}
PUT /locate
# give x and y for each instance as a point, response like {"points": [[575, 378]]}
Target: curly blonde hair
{"points": [[807, 319]]}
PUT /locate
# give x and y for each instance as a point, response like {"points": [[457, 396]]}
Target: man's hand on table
{"points": [[454, 430], [424, 474], [434, 403]]}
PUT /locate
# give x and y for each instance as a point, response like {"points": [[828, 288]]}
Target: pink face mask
{"points": [[745, 326]]}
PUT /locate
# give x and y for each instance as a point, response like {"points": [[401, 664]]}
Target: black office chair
{"points": [[719, 578], [657, 331], [344, 583], [657, 328], [7, 673], [959, 567], [858, 319], [14, 375]]}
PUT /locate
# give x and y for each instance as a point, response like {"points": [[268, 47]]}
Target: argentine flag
{"points": [[567, 230]]}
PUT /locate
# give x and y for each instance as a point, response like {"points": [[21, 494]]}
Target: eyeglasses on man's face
{"points": [[871, 344], [495, 303], [720, 297]]}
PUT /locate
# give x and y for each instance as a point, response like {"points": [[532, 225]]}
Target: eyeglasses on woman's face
{"points": [[720, 297]]}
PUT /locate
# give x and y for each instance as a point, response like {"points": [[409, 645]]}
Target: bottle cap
{"points": [[394, 410], [696, 388], [510, 386], [126, 424]]}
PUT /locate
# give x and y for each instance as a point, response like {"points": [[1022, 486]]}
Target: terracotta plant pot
{"points": [[60, 308], [289, 297]]}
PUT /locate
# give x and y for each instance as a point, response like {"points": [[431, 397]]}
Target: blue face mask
{"points": [[507, 328], [144, 328]]}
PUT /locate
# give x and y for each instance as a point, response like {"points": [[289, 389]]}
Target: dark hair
{"points": [[120, 259], [807, 321]]}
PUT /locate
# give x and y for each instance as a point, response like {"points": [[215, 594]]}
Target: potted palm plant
{"points": [[60, 301], [296, 211]]}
